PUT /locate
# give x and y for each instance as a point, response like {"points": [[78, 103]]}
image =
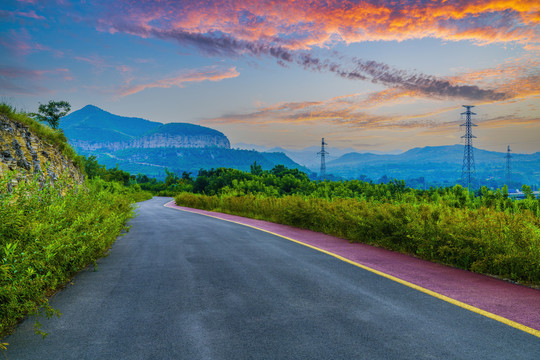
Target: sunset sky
{"points": [[371, 75]]}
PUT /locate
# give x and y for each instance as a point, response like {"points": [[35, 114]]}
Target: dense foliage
{"points": [[486, 232], [153, 161], [48, 233]]}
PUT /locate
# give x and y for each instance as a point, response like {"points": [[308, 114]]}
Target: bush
{"points": [[48, 234]]}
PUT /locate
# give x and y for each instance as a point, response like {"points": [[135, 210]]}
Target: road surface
{"points": [[181, 285]]}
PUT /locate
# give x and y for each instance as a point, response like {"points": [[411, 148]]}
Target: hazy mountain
{"points": [[307, 157], [437, 165]]}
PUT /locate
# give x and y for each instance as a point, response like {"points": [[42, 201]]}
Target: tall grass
{"points": [[48, 233]]}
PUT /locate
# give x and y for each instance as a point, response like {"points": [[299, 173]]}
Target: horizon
{"points": [[374, 76], [247, 146]]}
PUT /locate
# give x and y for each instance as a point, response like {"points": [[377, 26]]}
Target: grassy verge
{"points": [[482, 240], [48, 234]]}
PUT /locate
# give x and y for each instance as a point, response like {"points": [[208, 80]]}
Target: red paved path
{"points": [[514, 302]]}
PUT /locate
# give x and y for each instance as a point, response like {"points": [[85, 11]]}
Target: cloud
{"points": [[347, 111], [196, 75], [518, 78], [21, 44], [509, 82], [304, 24], [234, 30], [23, 81], [27, 14]]}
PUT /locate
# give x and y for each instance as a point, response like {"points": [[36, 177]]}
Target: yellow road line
{"points": [[393, 278]]}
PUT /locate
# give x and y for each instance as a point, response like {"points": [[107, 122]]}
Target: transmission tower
{"points": [[468, 168], [323, 162], [508, 168]]}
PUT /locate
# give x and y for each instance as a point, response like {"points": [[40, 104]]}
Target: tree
{"points": [[256, 169], [52, 112]]}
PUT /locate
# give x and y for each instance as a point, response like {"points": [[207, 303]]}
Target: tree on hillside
{"points": [[52, 112]]}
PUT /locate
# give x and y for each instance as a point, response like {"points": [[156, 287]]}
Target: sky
{"points": [[369, 75]]}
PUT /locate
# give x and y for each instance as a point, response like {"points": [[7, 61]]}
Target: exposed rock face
{"points": [[22, 150], [156, 141], [180, 141], [94, 145]]}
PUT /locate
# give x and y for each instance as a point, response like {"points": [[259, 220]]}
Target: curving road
{"points": [[185, 286]]}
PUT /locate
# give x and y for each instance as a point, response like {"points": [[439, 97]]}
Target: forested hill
{"points": [[153, 162]]}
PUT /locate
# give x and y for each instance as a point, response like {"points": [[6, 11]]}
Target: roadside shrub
{"points": [[47, 234]]}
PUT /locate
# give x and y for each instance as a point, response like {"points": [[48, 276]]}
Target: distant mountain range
{"points": [[431, 165], [142, 146], [308, 156], [438, 165]]}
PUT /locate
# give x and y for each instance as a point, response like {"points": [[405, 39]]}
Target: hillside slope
{"points": [[34, 150]]}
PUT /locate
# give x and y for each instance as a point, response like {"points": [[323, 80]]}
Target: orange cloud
{"points": [[197, 75], [304, 24], [343, 110]]}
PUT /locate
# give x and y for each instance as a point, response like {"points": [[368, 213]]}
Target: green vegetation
{"points": [[154, 161], [48, 233], [486, 232], [52, 112]]}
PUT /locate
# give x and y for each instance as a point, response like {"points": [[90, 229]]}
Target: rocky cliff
{"points": [[22, 149], [157, 140]]}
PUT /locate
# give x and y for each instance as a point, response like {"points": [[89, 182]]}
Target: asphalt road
{"points": [[185, 286]]}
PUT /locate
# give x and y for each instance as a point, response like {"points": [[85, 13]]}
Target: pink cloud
{"points": [[21, 44], [23, 81], [197, 75]]}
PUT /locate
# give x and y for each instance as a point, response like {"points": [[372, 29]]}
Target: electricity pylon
{"points": [[508, 167], [323, 152], [468, 169]]}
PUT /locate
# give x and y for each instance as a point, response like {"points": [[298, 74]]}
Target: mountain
{"points": [[92, 128], [307, 157], [436, 165], [142, 146]]}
